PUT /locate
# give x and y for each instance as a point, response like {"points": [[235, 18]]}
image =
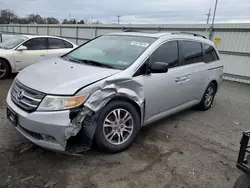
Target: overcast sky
{"points": [[134, 11]]}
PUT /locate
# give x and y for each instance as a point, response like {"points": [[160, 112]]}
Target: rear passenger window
{"points": [[55, 43], [36, 44], [167, 53], [67, 44], [192, 52], [210, 54]]}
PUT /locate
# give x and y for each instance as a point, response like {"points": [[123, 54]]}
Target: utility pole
{"points": [[208, 18], [118, 19], [211, 29], [91, 20], [208, 15]]}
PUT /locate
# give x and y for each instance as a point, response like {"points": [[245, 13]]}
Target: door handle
{"points": [[182, 78], [177, 79]]}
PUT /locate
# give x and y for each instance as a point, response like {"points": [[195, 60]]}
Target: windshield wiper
{"points": [[72, 59], [91, 62], [96, 63]]}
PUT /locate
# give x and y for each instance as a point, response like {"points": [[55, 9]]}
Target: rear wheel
{"points": [[208, 97], [242, 182], [117, 126], [4, 69]]}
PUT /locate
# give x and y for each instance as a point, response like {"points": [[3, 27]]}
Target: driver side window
{"points": [[167, 53], [35, 44]]}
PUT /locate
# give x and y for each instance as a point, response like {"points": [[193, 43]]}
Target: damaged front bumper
{"points": [[50, 130]]}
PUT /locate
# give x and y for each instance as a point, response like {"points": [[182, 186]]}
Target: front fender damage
{"points": [[83, 125]]}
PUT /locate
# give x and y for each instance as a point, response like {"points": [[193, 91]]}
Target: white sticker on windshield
{"points": [[142, 44], [123, 62]]}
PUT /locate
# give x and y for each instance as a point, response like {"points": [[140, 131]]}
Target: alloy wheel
{"points": [[209, 96], [3, 70], [118, 126]]}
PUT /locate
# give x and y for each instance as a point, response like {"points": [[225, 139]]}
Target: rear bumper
{"points": [[45, 129]]}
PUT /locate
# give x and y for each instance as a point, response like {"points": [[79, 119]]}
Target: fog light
{"points": [[48, 138]]}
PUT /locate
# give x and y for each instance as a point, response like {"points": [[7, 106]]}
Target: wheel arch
{"points": [[122, 98], [7, 61], [215, 84]]}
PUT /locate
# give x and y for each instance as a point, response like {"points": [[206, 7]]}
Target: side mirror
{"points": [[159, 67], [21, 48]]}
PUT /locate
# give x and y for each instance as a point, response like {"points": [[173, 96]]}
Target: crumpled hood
{"points": [[58, 76]]}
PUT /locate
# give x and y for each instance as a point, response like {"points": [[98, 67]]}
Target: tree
{"points": [[35, 18], [65, 21], [81, 22], [51, 20], [6, 16], [96, 22], [72, 21], [22, 21]]}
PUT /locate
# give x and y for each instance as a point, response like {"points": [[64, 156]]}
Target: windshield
{"points": [[112, 50], [12, 42]]}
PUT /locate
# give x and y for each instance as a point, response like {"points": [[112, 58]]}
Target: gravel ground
{"points": [[190, 149]]}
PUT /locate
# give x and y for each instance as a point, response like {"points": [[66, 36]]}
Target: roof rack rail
{"points": [[189, 33], [131, 30]]}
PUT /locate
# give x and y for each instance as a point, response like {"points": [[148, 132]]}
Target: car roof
{"points": [[167, 35], [142, 34], [47, 36], [35, 36]]}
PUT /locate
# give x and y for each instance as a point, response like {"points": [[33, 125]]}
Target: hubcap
{"points": [[118, 126], [2, 70], [209, 96]]}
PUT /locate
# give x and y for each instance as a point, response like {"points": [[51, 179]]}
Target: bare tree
{"points": [[35, 18], [7, 16], [51, 20], [96, 22], [81, 22], [65, 21]]}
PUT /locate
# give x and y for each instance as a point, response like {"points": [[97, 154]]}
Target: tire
{"points": [[4, 66], [205, 104], [117, 128], [243, 181]]}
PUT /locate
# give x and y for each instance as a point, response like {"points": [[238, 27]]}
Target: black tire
{"points": [[100, 138], [203, 105], [243, 181], [4, 66]]}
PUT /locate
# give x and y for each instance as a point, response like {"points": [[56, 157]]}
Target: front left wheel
{"points": [[117, 126], [4, 69]]}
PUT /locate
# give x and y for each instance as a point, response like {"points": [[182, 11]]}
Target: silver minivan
{"points": [[108, 88]]}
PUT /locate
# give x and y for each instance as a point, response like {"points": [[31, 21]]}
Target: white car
{"points": [[21, 51]]}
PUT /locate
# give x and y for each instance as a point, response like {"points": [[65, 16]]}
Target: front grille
{"points": [[25, 97]]}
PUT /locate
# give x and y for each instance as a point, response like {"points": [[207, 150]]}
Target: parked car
{"points": [[243, 162], [19, 52], [111, 86]]}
